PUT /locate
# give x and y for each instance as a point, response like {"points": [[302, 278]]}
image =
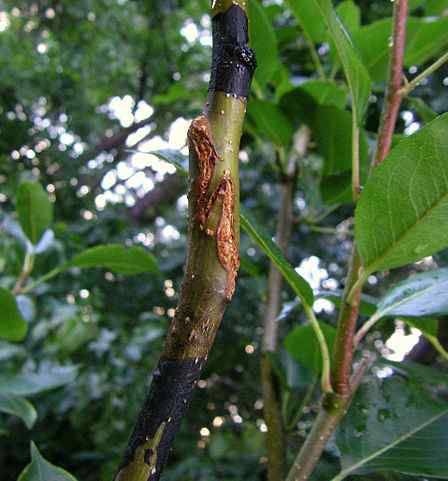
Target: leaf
{"points": [[270, 248], [34, 210], [300, 103], [20, 407], [263, 41], [429, 327], [302, 345], [350, 14], [422, 294], [417, 373], [41, 470], [402, 215], [311, 24], [425, 38], [332, 128], [337, 189], [117, 258], [32, 383], [355, 72], [13, 326], [271, 121], [394, 425], [423, 110]]}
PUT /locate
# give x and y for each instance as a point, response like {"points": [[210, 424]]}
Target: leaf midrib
{"points": [[375, 454]]}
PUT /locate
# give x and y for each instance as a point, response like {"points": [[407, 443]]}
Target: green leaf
{"points": [[425, 39], [311, 24], [300, 103], [402, 215], [422, 294], [302, 345], [355, 72], [417, 373], [332, 128], [436, 7], [20, 407], [337, 189], [33, 383], [41, 470], [350, 14], [34, 210], [264, 41], [394, 425], [429, 327], [13, 326], [423, 110], [270, 248], [271, 121], [117, 258]]}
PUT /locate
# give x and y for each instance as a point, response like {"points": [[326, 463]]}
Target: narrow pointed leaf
{"points": [[41, 470], [402, 215], [117, 258], [270, 248], [20, 407], [13, 326], [34, 210]]}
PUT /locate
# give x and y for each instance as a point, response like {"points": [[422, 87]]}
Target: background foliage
{"points": [[83, 84]]}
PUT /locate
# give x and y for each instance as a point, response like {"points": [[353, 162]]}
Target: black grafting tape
{"points": [[168, 399], [233, 62]]}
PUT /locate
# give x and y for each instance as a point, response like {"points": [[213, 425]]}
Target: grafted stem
{"points": [[213, 244]]}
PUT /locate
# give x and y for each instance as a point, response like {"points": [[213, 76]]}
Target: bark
{"points": [[212, 259]]}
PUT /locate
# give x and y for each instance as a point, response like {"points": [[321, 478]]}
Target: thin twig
{"points": [[410, 86], [393, 96]]}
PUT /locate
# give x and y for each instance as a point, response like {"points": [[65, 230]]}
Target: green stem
{"points": [[410, 86], [365, 328], [314, 55], [326, 368], [356, 183], [49, 275], [28, 264], [306, 400], [437, 346]]}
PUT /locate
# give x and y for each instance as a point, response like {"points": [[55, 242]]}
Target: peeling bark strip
{"points": [[233, 62], [213, 244], [201, 144], [159, 420]]}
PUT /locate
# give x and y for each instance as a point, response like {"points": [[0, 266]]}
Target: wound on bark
{"points": [[201, 143]]}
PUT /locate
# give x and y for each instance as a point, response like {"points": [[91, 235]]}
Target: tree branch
{"points": [[213, 259], [393, 95]]}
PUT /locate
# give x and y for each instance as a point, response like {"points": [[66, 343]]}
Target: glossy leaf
{"points": [[117, 258], [263, 41], [333, 133], [32, 383], [422, 109], [41, 470], [302, 345], [420, 295], [428, 326], [34, 210], [356, 73], [20, 407], [350, 14], [270, 248], [271, 121], [426, 39], [13, 326], [402, 215], [394, 425], [311, 24]]}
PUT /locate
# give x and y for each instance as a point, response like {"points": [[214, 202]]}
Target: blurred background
{"points": [[84, 85]]}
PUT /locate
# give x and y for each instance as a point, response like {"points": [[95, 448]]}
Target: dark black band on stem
{"points": [[233, 62], [167, 401]]}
